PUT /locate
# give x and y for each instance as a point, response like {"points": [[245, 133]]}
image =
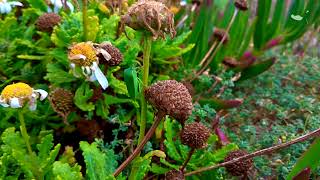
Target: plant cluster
{"points": [[136, 89]]}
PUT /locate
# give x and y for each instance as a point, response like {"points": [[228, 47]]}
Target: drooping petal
{"points": [[7, 8], [15, 103], [78, 56], [100, 76], [2, 9], [32, 106], [92, 78], [105, 54], [70, 6], [72, 65], [15, 3], [3, 103], [43, 93]]}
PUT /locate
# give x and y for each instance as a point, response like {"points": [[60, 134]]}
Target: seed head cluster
{"points": [[150, 16], [174, 175], [241, 167], [172, 98], [195, 135], [47, 21], [61, 101], [116, 55]]}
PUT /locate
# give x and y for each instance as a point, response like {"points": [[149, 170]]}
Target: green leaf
{"points": [[93, 27], [82, 96], [56, 75], [219, 104], [141, 166], [99, 166], [131, 80], [108, 28], [41, 5], [308, 159], [256, 69], [115, 100], [63, 171], [278, 16], [118, 85], [263, 11], [172, 150]]}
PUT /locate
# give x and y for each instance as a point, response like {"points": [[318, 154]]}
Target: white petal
{"points": [[100, 76], [92, 78], [7, 7], [43, 93], [15, 3], [78, 56], [3, 103], [105, 54], [70, 6], [72, 65], [2, 9], [32, 106], [15, 103]]}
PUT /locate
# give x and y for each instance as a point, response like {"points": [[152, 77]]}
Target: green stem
{"points": [[24, 132], [146, 63], [85, 19]]}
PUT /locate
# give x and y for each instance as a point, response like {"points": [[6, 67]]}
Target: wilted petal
{"points": [[105, 54], [15, 103], [92, 78], [32, 106], [15, 3], [72, 65], [43, 93], [78, 56], [7, 7], [100, 76], [3, 103], [70, 6]]}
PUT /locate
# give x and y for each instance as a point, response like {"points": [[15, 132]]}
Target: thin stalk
{"points": [[188, 159], [146, 63], [158, 118], [208, 53], [24, 132], [219, 45], [85, 19], [258, 153]]}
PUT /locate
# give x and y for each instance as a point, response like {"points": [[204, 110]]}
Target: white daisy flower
{"points": [[84, 55], [17, 95], [6, 7], [57, 5]]}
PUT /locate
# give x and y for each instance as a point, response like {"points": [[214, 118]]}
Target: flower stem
{"points": [[188, 159], [85, 19], [158, 117], [269, 150], [24, 133], [146, 63]]}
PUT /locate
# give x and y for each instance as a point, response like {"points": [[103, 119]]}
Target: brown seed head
{"points": [[241, 167], [61, 101], [47, 21], [174, 175], [241, 5], [150, 16], [195, 135], [171, 97], [116, 55], [219, 33]]}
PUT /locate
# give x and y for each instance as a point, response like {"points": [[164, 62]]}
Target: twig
{"points": [[158, 118], [258, 153], [188, 159], [219, 45]]}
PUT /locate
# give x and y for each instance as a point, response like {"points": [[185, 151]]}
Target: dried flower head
{"points": [[195, 135], [171, 97], [61, 101], [47, 21], [16, 95], [218, 35], [151, 16], [84, 55], [241, 5], [108, 54], [241, 167], [174, 175]]}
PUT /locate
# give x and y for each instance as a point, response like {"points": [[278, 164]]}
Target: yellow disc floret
{"points": [[18, 90], [83, 49]]}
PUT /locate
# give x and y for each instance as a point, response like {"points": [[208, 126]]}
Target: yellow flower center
{"points": [[86, 49], [18, 90]]}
